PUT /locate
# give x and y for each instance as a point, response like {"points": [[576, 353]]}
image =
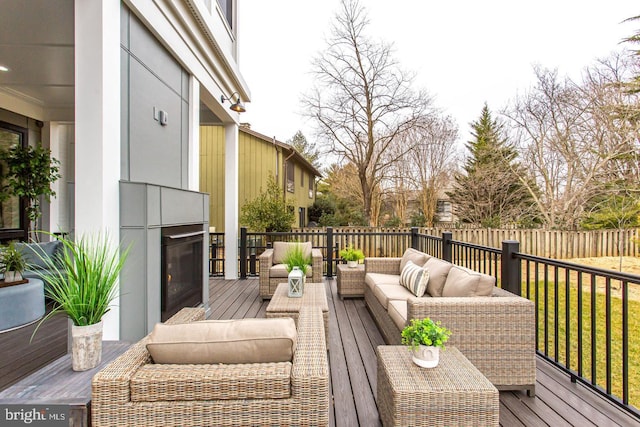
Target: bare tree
{"points": [[362, 101], [431, 161], [574, 137]]}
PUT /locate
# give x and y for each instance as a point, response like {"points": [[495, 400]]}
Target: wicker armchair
{"points": [[496, 333], [113, 403], [273, 272]]}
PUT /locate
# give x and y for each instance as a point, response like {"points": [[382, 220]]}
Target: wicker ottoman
{"points": [[314, 295], [454, 393], [350, 281]]}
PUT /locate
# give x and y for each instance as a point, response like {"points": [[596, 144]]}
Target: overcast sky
{"points": [[463, 52]]}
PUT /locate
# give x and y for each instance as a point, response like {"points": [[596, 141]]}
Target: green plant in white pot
{"points": [[13, 263], [352, 256], [83, 283], [425, 338]]}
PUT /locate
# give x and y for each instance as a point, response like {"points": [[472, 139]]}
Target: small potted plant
{"points": [[351, 255], [297, 263], [425, 338], [13, 263]]}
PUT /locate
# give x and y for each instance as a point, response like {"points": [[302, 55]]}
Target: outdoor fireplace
{"points": [[181, 268]]}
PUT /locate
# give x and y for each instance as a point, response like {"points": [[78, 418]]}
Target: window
{"points": [[11, 215], [227, 9], [311, 182], [301, 177], [443, 211], [290, 177]]}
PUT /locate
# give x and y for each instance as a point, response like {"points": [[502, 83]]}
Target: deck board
{"points": [[353, 338]]}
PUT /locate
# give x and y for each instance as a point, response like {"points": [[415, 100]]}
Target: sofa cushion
{"points": [[280, 250], [155, 382], [415, 256], [280, 270], [224, 341], [438, 271], [373, 279], [34, 252], [398, 312], [414, 278], [384, 293], [462, 282]]}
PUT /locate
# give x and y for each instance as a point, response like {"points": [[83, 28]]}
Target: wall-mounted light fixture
{"points": [[237, 106]]}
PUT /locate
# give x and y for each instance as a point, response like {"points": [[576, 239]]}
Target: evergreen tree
{"points": [[307, 149], [488, 191]]}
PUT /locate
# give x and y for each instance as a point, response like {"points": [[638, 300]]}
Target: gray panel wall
{"points": [[146, 208], [152, 79]]}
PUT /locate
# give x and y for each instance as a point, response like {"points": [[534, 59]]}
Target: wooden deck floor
{"points": [[353, 338]]}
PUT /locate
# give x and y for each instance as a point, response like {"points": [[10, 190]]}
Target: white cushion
{"points": [[415, 256], [462, 282], [414, 278], [280, 250], [398, 312], [385, 293], [373, 279], [438, 271]]}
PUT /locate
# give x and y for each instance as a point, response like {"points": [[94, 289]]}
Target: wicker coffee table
{"points": [[454, 393], [315, 295], [350, 281]]}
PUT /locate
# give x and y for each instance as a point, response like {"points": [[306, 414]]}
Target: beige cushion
{"points": [[398, 312], [373, 279], [462, 282], [384, 293], [415, 256], [414, 278], [280, 270], [280, 250], [438, 271], [224, 341]]}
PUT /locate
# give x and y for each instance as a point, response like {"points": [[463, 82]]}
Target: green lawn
{"points": [[569, 323]]}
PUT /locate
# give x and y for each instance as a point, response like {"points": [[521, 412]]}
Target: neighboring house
{"points": [[115, 89], [260, 157]]}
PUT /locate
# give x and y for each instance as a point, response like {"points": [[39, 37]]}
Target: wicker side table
{"points": [[454, 393], [350, 281]]}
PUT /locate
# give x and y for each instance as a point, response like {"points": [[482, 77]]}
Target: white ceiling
{"points": [[36, 44]]}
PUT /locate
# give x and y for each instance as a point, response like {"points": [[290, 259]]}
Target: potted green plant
{"points": [[13, 263], [297, 263], [351, 255], [425, 338], [83, 282]]}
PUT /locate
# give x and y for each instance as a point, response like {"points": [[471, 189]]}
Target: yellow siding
{"points": [[256, 161]]}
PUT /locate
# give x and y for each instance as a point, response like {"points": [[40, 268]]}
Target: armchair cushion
{"points": [[280, 270], [280, 250], [224, 341]]}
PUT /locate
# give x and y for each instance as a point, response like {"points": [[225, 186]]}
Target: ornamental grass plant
{"points": [[295, 257]]}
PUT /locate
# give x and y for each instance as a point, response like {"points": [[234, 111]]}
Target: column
{"points": [[97, 115], [231, 201]]}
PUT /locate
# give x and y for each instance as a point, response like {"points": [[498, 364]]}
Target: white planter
{"points": [[12, 276], [426, 356], [86, 351], [352, 264]]}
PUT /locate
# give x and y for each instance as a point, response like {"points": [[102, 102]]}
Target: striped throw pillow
{"points": [[414, 278]]}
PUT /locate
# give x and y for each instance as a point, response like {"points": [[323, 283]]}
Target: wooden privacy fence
{"points": [[389, 242]]}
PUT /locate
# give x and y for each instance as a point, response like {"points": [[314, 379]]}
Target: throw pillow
{"points": [[224, 341], [438, 271], [462, 282], [414, 278], [415, 256], [280, 250]]}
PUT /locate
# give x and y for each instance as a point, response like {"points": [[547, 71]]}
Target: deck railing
{"points": [[586, 317]]}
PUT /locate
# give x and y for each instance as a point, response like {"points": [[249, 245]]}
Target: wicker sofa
{"points": [[496, 333], [216, 394], [274, 272]]}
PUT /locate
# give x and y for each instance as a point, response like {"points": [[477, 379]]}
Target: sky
{"points": [[464, 53]]}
